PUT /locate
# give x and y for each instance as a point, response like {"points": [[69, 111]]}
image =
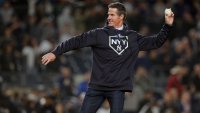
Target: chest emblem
{"points": [[118, 43]]}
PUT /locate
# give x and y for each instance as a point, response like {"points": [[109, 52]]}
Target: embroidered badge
{"points": [[118, 43]]}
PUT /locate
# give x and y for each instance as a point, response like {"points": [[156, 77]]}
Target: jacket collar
{"points": [[125, 26]]}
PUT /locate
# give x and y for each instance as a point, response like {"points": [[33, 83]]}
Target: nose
{"points": [[108, 17]]}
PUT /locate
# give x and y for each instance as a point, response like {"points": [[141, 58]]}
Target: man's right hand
{"points": [[49, 57]]}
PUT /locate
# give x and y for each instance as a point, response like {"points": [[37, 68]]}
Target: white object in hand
{"points": [[168, 11]]}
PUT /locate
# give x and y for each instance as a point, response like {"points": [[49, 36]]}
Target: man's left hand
{"points": [[169, 17]]}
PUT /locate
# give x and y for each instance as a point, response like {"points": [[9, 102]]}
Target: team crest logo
{"points": [[118, 43]]}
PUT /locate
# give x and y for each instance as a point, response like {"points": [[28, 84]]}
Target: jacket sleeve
{"points": [[154, 41], [84, 40]]}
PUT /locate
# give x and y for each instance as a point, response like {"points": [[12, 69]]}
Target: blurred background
{"points": [[167, 80]]}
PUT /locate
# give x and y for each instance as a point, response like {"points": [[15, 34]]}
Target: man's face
{"points": [[114, 19]]}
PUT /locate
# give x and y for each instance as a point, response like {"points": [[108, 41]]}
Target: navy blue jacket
{"points": [[114, 54]]}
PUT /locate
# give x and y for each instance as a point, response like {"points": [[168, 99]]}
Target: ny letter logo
{"points": [[118, 43]]}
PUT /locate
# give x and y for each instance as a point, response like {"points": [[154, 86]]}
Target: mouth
{"points": [[109, 22]]}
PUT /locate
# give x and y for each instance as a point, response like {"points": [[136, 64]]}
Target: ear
{"points": [[122, 17]]}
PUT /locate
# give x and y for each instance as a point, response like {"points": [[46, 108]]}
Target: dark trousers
{"points": [[94, 99]]}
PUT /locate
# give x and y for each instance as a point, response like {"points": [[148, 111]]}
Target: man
{"points": [[115, 49]]}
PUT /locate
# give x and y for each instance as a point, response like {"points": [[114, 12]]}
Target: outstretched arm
{"points": [[86, 39]]}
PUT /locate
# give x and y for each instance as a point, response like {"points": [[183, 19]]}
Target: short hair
{"points": [[120, 7]]}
